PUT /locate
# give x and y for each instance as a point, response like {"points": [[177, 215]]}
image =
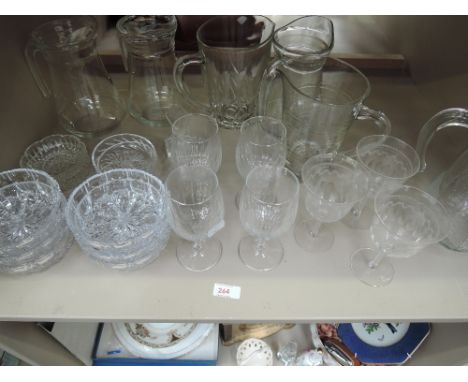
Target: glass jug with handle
{"points": [[86, 101], [319, 114], [301, 48], [452, 191], [147, 45]]}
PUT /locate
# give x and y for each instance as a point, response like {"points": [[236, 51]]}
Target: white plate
{"points": [[381, 334], [161, 340], [254, 352]]}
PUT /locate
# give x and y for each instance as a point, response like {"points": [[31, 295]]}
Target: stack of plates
{"points": [[161, 340]]}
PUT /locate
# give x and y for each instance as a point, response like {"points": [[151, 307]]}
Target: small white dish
{"points": [[254, 352]]}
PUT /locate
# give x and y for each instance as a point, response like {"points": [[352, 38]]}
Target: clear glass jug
{"points": [[301, 48], [234, 53], [318, 115], [451, 188], [86, 101], [147, 44]]}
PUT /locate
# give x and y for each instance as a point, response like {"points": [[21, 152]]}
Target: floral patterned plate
{"points": [[161, 340], [383, 343]]}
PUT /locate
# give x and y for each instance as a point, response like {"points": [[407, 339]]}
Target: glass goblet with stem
{"points": [[406, 220], [195, 141], [388, 162], [196, 214], [333, 183], [268, 208], [262, 141]]}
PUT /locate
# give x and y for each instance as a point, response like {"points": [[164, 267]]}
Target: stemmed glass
{"points": [[333, 183], [195, 141], [262, 141], [388, 163], [197, 213], [407, 220], [268, 208]]}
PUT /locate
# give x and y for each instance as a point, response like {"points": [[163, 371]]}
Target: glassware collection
{"points": [[124, 214]]}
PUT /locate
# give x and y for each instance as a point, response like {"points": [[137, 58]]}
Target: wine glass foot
{"points": [[267, 259], [321, 242], [205, 259], [376, 275]]}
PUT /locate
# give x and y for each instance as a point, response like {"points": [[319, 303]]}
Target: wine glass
{"points": [[388, 163], [197, 213], [195, 141], [262, 141], [406, 220], [333, 183], [268, 208]]}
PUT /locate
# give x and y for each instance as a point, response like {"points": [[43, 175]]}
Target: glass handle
{"points": [[269, 75], [382, 123], [31, 52], [123, 50], [179, 67], [445, 118]]}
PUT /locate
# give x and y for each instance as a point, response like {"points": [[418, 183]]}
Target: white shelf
{"points": [[431, 286]]}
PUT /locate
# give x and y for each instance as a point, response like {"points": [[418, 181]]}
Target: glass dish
{"points": [[33, 233], [64, 157], [125, 151], [119, 218]]}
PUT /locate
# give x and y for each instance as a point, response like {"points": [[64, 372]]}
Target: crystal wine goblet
{"points": [[195, 141], [388, 163], [262, 141], [197, 213], [406, 220], [333, 183], [268, 208]]}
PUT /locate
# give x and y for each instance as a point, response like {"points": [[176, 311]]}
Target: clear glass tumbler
{"points": [[268, 208]]}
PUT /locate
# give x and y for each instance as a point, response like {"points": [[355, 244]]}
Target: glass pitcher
{"points": [[301, 48], [452, 191], [147, 44], [86, 101], [318, 115], [234, 53]]}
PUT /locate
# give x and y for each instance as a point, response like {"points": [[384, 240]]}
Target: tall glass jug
{"points": [[301, 48], [318, 115], [234, 52], [147, 44], [452, 190], [86, 101]]}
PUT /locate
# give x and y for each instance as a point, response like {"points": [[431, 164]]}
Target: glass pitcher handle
{"points": [[269, 75], [380, 119], [179, 67], [445, 118], [31, 52]]}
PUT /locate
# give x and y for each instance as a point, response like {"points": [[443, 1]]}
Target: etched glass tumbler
{"points": [[262, 141], [33, 232], [333, 183], [388, 163], [195, 141], [268, 208], [406, 221], [125, 151], [197, 213], [119, 218]]}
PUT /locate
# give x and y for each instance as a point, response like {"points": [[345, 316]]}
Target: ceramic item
{"points": [[161, 340], [254, 352]]}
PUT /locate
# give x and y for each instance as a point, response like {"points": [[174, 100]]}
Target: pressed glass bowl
{"points": [[119, 218], [33, 233], [125, 151], [64, 157]]}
